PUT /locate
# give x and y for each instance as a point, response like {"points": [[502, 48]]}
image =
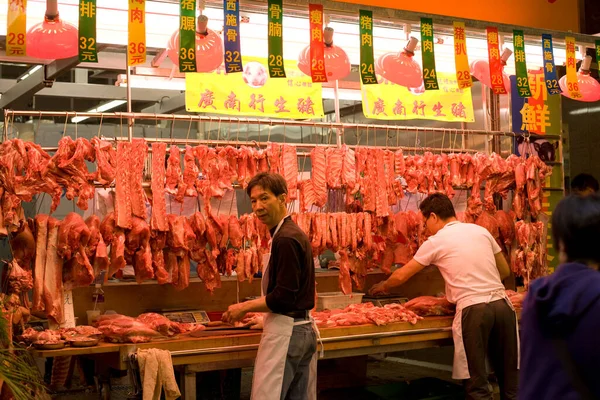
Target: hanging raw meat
{"points": [[158, 220], [173, 170], [289, 164], [106, 159], [123, 210], [318, 175]]}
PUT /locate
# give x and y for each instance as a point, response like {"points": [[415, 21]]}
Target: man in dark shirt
{"points": [[286, 356]]}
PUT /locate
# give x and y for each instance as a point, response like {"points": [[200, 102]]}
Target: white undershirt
{"points": [[464, 254]]}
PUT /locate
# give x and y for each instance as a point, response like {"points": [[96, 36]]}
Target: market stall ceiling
{"points": [[162, 19]]}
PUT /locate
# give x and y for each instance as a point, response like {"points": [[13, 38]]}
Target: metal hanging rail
{"points": [[272, 122]]}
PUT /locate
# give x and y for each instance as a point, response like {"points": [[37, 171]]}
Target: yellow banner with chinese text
{"points": [[572, 84], [394, 102], [461, 60], [136, 49], [254, 93], [16, 28]]}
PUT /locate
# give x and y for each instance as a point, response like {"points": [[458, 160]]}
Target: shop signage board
{"points": [[254, 93], [136, 49], [16, 45], [572, 84], [540, 114], [275, 36], [367, 58], [87, 31], [317, 50], [390, 101], [597, 49], [549, 67], [521, 64], [231, 36], [428, 55], [496, 76], [187, 36], [461, 60]]}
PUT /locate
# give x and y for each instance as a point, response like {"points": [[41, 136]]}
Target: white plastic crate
{"points": [[335, 300]]}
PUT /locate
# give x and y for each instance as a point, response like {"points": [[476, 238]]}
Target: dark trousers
{"points": [[303, 344], [489, 330]]}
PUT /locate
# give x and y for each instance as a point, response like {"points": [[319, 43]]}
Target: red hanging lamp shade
{"points": [[53, 38], [401, 68], [337, 63], [588, 86], [480, 69], [209, 47]]}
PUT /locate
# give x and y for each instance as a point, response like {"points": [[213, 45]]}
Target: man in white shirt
{"points": [[472, 265]]}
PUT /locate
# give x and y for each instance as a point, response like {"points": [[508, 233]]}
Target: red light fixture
{"points": [[337, 63], [53, 38], [480, 69], [209, 47], [401, 68], [588, 86]]}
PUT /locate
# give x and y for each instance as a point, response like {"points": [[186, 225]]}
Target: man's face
{"points": [[431, 223], [266, 206]]}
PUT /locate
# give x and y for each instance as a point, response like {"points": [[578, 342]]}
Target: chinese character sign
{"points": [[520, 64], [597, 49], [549, 67], [136, 49], [394, 102], [254, 92], [275, 35], [231, 36], [427, 52], [16, 28], [495, 62], [572, 84], [367, 58], [538, 114], [317, 50], [187, 36], [461, 61], [87, 31]]}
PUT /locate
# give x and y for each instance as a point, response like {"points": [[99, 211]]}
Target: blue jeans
{"points": [[302, 347]]}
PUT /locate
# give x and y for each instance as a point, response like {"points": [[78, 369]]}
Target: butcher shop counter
{"points": [[237, 348], [221, 350]]}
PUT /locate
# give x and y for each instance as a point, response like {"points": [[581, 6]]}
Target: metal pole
{"points": [[129, 120], [183, 117], [340, 131], [265, 144]]}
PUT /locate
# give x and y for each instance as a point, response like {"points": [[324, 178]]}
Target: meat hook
{"points": [[219, 129], [188, 132]]}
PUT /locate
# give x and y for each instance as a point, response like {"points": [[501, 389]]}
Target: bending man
{"points": [[473, 267]]}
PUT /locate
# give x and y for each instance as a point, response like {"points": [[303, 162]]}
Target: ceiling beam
{"points": [[43, 77], [168, 105], [93, 91]]}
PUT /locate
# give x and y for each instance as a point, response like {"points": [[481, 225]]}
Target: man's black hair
{"points": [[439, 204], [576, 226], [274, 183], [584, 181]]}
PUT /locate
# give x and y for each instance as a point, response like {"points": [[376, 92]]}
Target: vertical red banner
{"points": [[496, 77], [317, 49]]}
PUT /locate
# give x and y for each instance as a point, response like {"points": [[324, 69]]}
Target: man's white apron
{"points": [[269, 366], [460, 368]]}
